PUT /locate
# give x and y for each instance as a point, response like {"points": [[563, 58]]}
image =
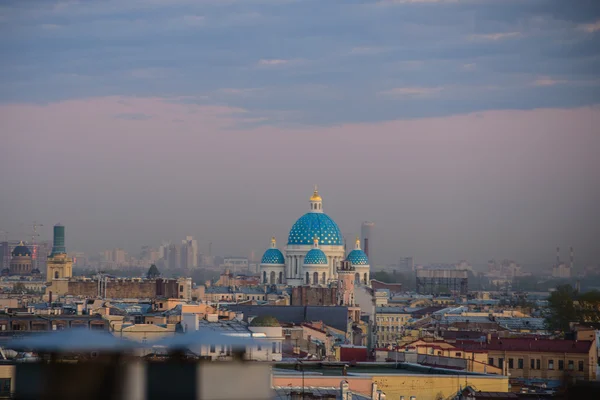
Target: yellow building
{"points": [[544, 358], [389, 325], [436, 386], [7, 380], [477, 358], [59, 265]]}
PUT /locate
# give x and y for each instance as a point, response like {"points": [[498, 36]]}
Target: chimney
{"points": [[572, 259], [345, 391], [374, 391]]}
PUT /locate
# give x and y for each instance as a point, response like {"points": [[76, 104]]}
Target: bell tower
{"points": [[59, 264]]}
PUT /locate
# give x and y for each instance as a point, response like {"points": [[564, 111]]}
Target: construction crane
{"points": [[34, 246]]}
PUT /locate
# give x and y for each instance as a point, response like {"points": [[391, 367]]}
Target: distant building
{"points": [[59, 265], [406, 264], [314, 250], [21, 261], [235, 264], [174, 258], [190, 249], [435, 281], [562, 271], [105, 287]]}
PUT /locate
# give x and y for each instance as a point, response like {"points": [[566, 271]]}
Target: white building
{"points": [[265, 331], [314, 250]]}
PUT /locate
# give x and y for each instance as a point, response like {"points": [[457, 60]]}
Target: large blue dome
{"points": [[319, 225], [315, 256], [358, 257], [272, 256], [21, 251]]}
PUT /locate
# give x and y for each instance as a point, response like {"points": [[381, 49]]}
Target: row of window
{"points": [[537, 363], [392, 319], [392, 328]]}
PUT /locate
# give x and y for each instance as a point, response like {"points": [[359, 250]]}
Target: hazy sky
{"points": [[463, 129]]}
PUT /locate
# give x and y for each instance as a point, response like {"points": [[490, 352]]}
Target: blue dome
{"points": [[319, 225], [272, 256], [315, 256], [358, 257], [21, 250]]}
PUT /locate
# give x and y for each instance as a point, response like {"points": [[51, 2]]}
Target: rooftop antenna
{"points": [[557, 256]]}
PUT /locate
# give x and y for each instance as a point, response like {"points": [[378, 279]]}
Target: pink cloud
{"points": [[412, 91]]}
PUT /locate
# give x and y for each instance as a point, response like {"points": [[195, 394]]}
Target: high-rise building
{"points": [[59, 264], [406, 264], [191, 252], [366, 238], [119, 256], [174, 258], [187, 256]]}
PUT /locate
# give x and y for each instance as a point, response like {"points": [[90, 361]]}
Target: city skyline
{"points": [[215, 120]]}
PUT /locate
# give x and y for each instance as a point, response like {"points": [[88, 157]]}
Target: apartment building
{"points": [[549, 359]]}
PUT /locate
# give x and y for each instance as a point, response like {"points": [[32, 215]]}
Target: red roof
{"points": [[540, 345]]}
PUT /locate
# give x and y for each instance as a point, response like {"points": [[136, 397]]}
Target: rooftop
{"points": [[540, 345], [285, 392]]}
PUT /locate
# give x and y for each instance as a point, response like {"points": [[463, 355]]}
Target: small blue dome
{"points": [[272, 256], [21, 251], [315, 256], [358, 257], [319, 225]]}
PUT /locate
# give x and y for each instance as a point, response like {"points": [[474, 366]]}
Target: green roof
{"points": [[265, 320]]}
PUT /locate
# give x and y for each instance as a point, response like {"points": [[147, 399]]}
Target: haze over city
{"points": [[463, 130]]}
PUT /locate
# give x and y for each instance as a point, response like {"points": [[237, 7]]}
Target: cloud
{"points": [[547, 81], [469, 67], [495, 36], [590, 28], [412, 91], [239, 91], [50, 26], [272, 62], [368, 50], [133, 116], [193, 20]]}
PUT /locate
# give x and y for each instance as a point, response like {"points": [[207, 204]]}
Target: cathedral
{"points": [[314, 252]]}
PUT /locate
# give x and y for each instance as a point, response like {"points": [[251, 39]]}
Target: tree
{"points": [[588, 306], [153, 272], [19, 288], [562, 308]]}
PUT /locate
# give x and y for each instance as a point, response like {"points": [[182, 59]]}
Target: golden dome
{"points": [[315, 196], [273, 240], [357, 241]]}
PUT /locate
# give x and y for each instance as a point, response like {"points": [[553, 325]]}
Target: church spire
{"points": [[316, 202]]}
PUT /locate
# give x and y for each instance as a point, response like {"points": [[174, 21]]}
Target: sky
{"points": [[463, 129]]}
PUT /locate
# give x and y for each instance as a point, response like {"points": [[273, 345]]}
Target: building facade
{"points": [[546, 359], [59, 265], [313, 253]]}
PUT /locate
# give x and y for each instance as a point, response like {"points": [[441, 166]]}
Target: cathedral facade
{"points": [[314, 252]]}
